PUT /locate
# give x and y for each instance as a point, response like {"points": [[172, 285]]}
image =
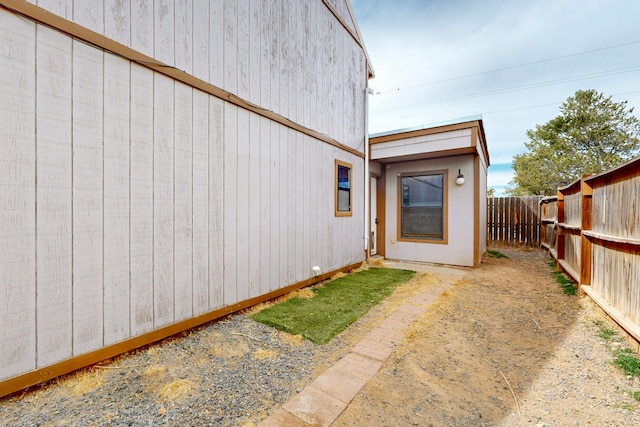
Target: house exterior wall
{"points": [[291, 57], [481, 197], [418, 145], [131, 201], [460, 221]]}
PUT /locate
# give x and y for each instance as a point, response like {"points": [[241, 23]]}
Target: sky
{"points": [[512, 62]]}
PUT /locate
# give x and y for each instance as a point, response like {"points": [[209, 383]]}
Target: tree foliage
{"points": [[591, 134]]}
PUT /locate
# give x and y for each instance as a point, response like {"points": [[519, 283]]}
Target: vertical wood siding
{"points": [[274, 54], [200, 203], [53, 100], [87, 194], [217, 202], [142, 201], [157, 202], [163, 194], [116, 200], [18, 196]]}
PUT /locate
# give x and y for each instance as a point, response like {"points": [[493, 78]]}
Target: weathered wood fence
{"points": [[549, 224], [514, 220], [592, 229]]}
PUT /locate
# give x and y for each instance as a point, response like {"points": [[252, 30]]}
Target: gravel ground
{"points": [[227, 373]]}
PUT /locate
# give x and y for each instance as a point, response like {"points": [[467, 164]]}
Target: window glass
{"points": [[343, 188], [422, 207]]}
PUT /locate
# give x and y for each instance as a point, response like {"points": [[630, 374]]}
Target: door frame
{"points": [[379, 210]]}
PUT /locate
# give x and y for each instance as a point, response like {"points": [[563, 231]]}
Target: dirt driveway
{"points": [[503, 347]]}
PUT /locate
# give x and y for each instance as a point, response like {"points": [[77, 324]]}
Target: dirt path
{"points": [[503, 347]]}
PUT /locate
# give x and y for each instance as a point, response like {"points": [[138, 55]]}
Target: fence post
{"points": [[560, 244], [490, 221], [501, 224], [585, 243], [542, 212]]}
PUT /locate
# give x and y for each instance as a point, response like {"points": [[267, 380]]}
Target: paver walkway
{"points": [[322, 401]]}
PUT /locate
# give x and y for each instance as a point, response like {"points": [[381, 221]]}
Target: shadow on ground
{"points": [[480, 349]]}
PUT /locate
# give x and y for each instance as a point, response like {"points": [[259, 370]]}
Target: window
{"points": [[343, 189], [422, 207]]}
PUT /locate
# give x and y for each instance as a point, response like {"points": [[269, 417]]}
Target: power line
{"points": [[517, 88], [510, 67], [546, 105]]}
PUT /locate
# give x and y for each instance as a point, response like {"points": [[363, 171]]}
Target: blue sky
{"points": [[513, 62]]}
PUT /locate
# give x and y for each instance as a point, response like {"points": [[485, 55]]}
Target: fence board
{"points": [[514, 220], [597, 221]]}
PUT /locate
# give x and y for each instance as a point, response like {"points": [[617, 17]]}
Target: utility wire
{"points": [[510, 67], [517, 88], [546, 105]]}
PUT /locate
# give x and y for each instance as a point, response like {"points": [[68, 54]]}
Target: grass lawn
{"points": [[335, 305]]}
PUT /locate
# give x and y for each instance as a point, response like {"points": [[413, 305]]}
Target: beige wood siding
{"points": [[157, 202], [416, 145], [17, 196], [294, 58]]}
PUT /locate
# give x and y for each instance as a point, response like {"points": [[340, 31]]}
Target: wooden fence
{"points": [[514, 220], [549, 224], [592, 229]]}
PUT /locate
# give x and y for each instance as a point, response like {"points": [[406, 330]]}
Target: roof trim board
{"points": [[473, 123]]}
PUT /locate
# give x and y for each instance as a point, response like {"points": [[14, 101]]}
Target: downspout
{"points": [[367, 179]]}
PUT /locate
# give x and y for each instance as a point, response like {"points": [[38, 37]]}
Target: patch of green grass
{"points": [[335, 306], [567, 286], [628, 362], [496, 254], [606, 333], [635, 395]]}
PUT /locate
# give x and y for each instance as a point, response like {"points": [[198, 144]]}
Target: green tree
{"points": [[591, 134]]}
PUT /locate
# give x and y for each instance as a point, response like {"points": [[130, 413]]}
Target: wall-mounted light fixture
{"points": [[460, 178]]}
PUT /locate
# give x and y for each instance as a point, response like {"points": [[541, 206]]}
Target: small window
{"points": [[422, 207], [343, 189]]}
